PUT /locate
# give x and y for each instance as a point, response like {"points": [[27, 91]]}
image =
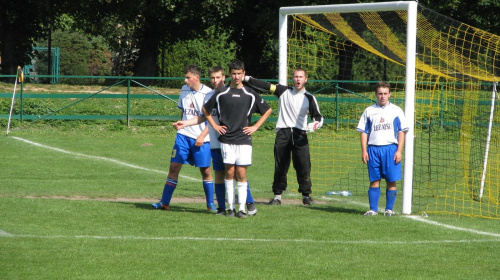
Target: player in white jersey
{"points": [[191, 143], [295, 104], [217, 79], [383, 127]]}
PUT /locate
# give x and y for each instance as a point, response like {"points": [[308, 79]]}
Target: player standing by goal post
{"points": [[291, 144], [235, 106], [383, 127], [191, 143]]}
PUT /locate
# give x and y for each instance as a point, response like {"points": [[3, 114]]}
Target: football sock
{"points": [[373, 197], [277, 196], [242, 195], [230, 193], [220, 193], [168, 190], [208, 187], [249, 194], [391, 199]]}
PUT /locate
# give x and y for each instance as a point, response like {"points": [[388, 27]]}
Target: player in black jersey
{"points": [[235, 106]]}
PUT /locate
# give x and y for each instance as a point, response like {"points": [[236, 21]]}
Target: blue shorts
{"points": [[186, 152], [381, 163], [217, 162]]}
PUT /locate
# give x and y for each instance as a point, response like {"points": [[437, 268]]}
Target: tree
{"points": [[20, 25]]}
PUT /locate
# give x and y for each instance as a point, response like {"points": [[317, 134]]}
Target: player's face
{"points": [[383, 94], [237, 76], [299, 79], [192, 81], [217, 80]]}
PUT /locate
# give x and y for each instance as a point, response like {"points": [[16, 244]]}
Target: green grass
{"points": [[79, 215]]}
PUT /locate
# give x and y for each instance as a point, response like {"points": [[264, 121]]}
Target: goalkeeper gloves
{"points": [[311, 127]]}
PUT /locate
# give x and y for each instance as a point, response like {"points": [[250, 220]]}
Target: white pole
{"points": [[283, 48], [12, 103], [411, 52], [486, 152]]}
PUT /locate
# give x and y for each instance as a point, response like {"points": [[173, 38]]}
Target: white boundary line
{"points": [[423, 220], [415, 218], [182, 238], [99, 158]]}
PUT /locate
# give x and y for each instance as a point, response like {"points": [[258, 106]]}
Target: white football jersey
{"points": [[191, 103], [382, 124]]}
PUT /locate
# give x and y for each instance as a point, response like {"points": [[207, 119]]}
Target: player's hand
{"points": [[178, 125], [364, 157], [220, 129], [311, 127], [199, 141], [397, 157], [249, 130]]}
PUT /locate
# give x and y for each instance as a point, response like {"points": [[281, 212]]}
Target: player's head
{"points": [[217, 77], [299, 78], [237, 72], [192, 75], [383, 93]]}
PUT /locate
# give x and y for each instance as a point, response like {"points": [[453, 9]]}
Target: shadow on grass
{"points": [[335, 209], [200, 209]]}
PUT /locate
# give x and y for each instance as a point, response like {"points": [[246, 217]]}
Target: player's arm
{"points": [[201, 138], [263, 86], [401, 141], [317, 118], [194, 121], [251, 129], [364, 145]]}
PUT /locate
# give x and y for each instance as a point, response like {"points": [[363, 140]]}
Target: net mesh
{"points": [[457, 65]]}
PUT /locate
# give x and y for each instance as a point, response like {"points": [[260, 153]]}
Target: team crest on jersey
{"points": [[382, 120], [191, 106]]}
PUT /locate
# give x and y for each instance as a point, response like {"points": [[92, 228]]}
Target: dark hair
{"points": [[193, 69], [237, 65], [216, 69], [382, 84]]}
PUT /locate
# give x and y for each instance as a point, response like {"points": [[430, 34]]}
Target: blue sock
{"points": [[168, 190], [391, 199], [373, 197], [208, 187], [220, 193], [249, 194]]}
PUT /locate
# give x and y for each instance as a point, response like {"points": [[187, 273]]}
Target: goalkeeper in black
{"points": [[295, 104]]}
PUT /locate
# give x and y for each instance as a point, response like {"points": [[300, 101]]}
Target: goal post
{"points": [[411, 8], [441, 72]]}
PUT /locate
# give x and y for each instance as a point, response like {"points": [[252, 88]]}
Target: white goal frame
{"points": [[411, 40]]}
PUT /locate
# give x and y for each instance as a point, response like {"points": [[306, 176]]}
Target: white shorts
{"points": [[234, 154]]}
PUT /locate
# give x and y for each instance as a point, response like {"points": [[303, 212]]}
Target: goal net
{"points": [[444, 81]]}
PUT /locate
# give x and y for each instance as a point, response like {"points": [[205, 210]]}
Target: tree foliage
{"points": [[138, 31]]}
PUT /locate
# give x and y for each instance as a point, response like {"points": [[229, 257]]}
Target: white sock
{"points": [[277, 196], [242, 195], [230, 193]]}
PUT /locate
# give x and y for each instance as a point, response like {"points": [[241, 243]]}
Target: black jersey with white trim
{"points": [[294, 105], [235, 108]]}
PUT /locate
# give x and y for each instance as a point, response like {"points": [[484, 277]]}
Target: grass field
{"points": [[75, 204]]}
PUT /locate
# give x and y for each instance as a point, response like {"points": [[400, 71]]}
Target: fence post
{"points": [[337, 104], [128, 102]]}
